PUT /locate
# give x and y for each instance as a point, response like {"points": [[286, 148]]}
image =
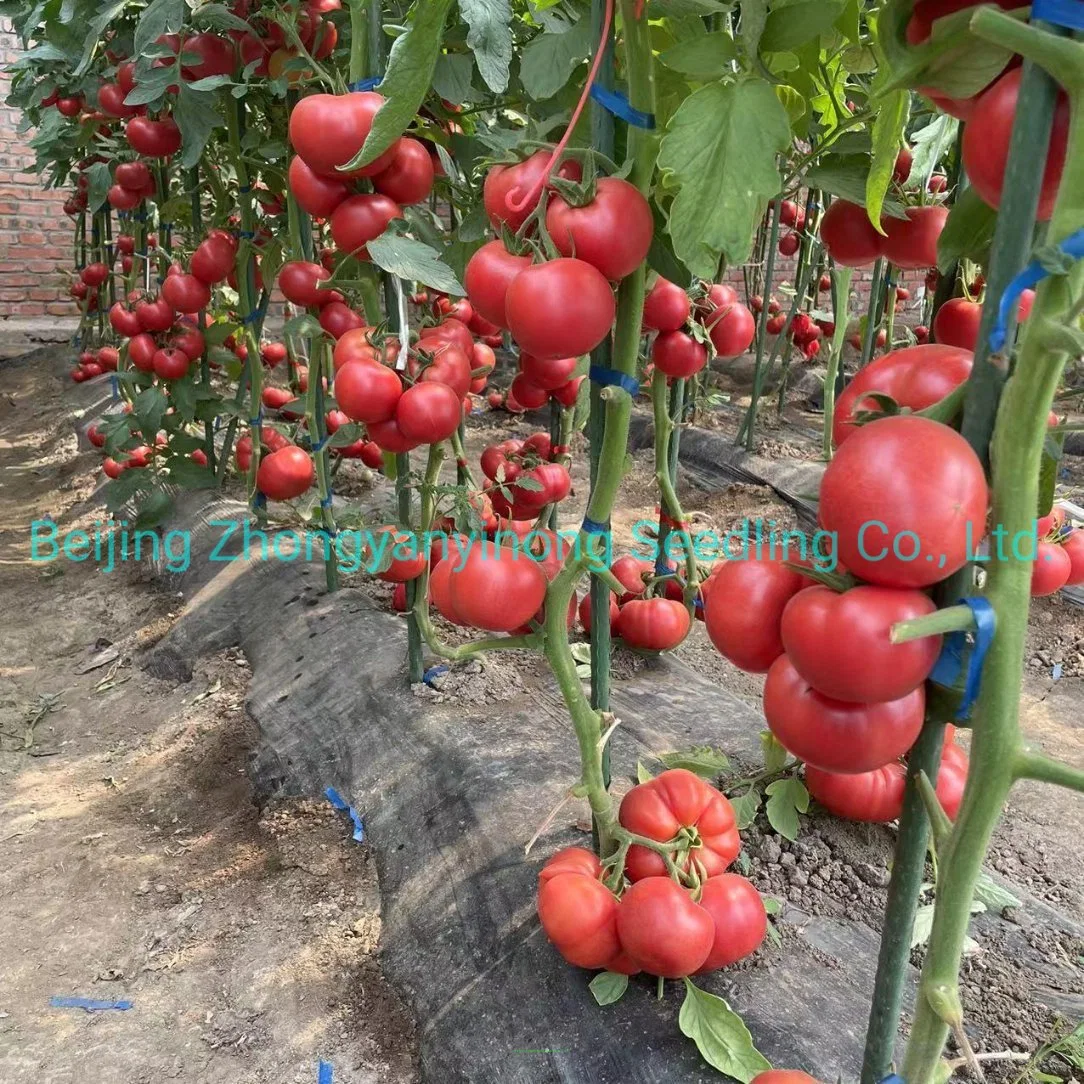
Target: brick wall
{"points": [[35, 234]]}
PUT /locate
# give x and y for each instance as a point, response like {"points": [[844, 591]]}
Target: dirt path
{"points": [[134, 863]]}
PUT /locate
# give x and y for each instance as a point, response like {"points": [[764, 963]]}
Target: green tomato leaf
{"points": [[705, 762], [608, 987], [660, 256], [754, 17], [704, 58], [452, 77], [658, 8], [968, 232], [345, 435], [159, 17], [197, 117], [722, 146], [991, 894], [149, 408], [786, 799], [184, 472], [775, 756], [849, 23], [490, 39], [407, 79], [746, 807], [888, 128], [720, 1035], [643, 775], [929, 145], [153, 508], [95, 28], [100, 180], [794, 22], [845, 176], [549, 59], [414, 261]]}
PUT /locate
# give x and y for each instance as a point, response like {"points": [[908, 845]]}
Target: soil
{"points": [[247, 938]]}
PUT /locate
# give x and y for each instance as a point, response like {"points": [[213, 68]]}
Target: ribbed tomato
{"points": [[496, 588], [653, 624], [317, 195]]}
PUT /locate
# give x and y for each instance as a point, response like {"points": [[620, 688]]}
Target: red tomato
{"points": [[409, 177], [141, 351], [361, 219], [123, 321], [328, 130], [833, 734], [285, 474], [408, 557], [440, 590], [666, 306], [1051, 569], [568, 394], [921, 526], [497, 589], [957, 323], [630, 571], [428, 413], [818, 620], [677, 354], [784, 1076], [585, 612], [70, 107], [731, 330], [675, 800], [662, 929], [916, 377], [952, 778], [317, 195], [186, 293], [508, 184], [902, 169], [911, 242], [744, 601], [739, 916], [561, 308], [613, 232], [356, 345], [487, 277], [1074, 548], [483, 360], [213, 260], [298, 282], [986, 143], [123, 199], [789, 244], [171, 364], [153, 138], [156, 315], [571, 860], [579, 915], [527, 393], [875, 796], [653, 624], [449, 365], [848, 235], [337, 318]]}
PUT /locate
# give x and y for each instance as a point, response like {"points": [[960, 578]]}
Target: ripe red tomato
{"points": [[285, 474], [141, 351], [957, 323], [916, 377], [328, 130], [156, 315], [153, 138], [789, 244], [848, 235], [612, 233], [317, 195], [448, 330], [428, 413], [409, 177], [546, 373], [512, 182], [744, 601], [123, 321], [356, 345], [497, 589], [123, 199], [834, 734], [70, 106], [559, 309], [186, 293], [408, 557], [449, 365], [361, 219], [571, 860], [653, 624], [817, 620], [1074, 548], [675, 800], [663, 930], [784, 1076], [527, 393], [298, 282], [986, 143], [213, 260], [906, 500], [952, 778], [677, 354], [1051, 569], [337, 319], [731, 330], [666, 306], [911, 242], [739, 916], [487, 277], [875, 796], [171, 364], [217, 56], [579, 915], [630, 572]]}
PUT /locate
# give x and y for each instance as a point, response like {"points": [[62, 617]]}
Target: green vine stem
{"points": [[316, 421], [872, 317], [841, 294], [1015, 456], [204, 361], [808, 258]]}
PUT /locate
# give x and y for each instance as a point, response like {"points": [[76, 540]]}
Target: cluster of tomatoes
{"points": [[1059, 559], [639, 918], [95, 362], [686, 327], [138, 457]]}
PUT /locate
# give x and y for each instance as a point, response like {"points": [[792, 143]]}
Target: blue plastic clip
{"points": [[325, 1074], [435, 672], [613, 101], [949, 663], [326, 502], [611, 378], [115, 384], [1068, 13], [89, 1004], [337, 800], [365, 84], [592, 526], [1029, 278], [254, 316]]}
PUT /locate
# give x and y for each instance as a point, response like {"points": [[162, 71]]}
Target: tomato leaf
{"points": [[189, 474], [160, 17], [660, 256], [410, 71], [197, 118], [745, 807], [720, 1035], [345, 435], [643, 775], [929, 145], [786, 799], [703, 58], [794, 22], [153, 508], [968, 232], [490, 39], [452, 77], [993, 895], [845, 176], [550, 58], [775, 756], [888, 128], [609, 987], [414, 261], [705, 762], [722, 146]]}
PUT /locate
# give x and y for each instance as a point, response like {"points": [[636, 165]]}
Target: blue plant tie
{"points": [[260, 500], [326, 1073], [337, 800], [366, 84], [613, 101], [246, 234], [612, 378], [698, 604], [115, 385], [258, 420], [592, 526], [165, 225], [892, 1078], [321, 444], [949, 663], [326, 502], [435, 672], [245, 188], [1029, 278], [254, 316], [89, 1004], [1068, 13]]}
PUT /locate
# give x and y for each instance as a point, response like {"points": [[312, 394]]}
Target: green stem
{"points": [[841, 295], [1033, 765], [319, 364], [204, 361], [414, 639], [950, 619], [872, 312]]}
